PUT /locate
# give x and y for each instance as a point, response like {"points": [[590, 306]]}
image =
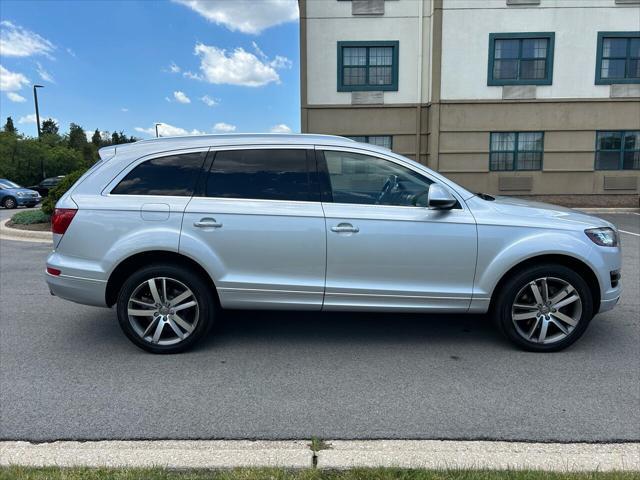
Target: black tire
{"points": [[9, 203], [503, 306], [201, 289]]}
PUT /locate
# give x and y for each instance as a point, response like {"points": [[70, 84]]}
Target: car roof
{"points": [[194, 141]]}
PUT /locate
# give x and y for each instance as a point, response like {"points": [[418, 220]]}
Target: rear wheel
{"points": [[544, 308], [165, 308], [9, 202]]}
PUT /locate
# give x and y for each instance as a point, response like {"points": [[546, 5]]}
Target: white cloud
{"points": [[124, 109], [208, 101], [247, 16], [44, 75], [105, 136], [14, 97], [281, 128], [71, 52], [222, 127], [181, 97], [192, 76], [238, 67], [173, 68], [16, 41], [166, 130], [11, 81], [167, 99], [31, 118]]}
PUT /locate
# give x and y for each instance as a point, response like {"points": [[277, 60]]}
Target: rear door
{"points": [[258, 226]]}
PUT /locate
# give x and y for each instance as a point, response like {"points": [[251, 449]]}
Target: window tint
{"points": [[363, 179], [171, 175], [269, 174]]}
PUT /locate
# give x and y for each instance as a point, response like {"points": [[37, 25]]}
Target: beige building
{"points": [[518, 97]]}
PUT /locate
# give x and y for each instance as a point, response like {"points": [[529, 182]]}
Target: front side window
{"points": [[618, 57], [520, 58], [268, 174], [618, 150], [516, 151], [367, 180], [379, 140], [367, 66], [171, 175]]}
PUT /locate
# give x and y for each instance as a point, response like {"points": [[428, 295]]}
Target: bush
{"points": [[59, 190], [30, 217]]}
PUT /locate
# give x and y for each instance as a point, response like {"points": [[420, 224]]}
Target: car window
{"points": [[171, 175], [10, 184], [262, 174], [368, 180]]}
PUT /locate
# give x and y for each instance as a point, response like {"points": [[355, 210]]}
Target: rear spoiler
{"points": [[107, 152]]}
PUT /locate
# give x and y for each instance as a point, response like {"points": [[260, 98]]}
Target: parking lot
{"points": [[67, 372]]}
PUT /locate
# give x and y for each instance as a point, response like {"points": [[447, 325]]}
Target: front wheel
{"points": [[165, 308], [9, 203], [544, 308]]}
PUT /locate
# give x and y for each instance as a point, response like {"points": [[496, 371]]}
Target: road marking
{"points": [[630, 233]]}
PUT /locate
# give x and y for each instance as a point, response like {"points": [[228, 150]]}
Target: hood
{"points": [[15, 191], [517, 211]]}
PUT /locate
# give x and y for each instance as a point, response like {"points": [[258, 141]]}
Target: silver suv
{"points": [[171, 230]]}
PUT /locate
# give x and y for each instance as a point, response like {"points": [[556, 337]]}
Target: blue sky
{"points": [[198, 66]]}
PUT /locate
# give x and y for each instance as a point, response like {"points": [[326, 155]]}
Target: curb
{"points": [[430, 454], [635, 211], [8, 233]]}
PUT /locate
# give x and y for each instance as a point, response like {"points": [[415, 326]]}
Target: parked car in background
{"points": [[13, 195], [47, 184], [170, 230]]}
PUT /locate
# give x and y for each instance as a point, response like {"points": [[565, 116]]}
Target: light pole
{"points": [[35, 99], [157, 135]]}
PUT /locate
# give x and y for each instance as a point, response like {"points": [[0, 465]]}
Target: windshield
{"points": [[9, 184]]}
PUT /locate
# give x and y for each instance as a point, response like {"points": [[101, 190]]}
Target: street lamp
{"points": [[35, 99], [157, 129]]}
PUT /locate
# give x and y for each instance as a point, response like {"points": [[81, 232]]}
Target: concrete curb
{"points": [[435, 454], [8, 233], [159, 453], [635, 211], [432, 454]]}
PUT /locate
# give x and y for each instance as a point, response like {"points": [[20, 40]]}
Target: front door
{"points": [[383, 252], [258, 226]]}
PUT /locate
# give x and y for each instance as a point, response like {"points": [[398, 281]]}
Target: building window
{"points": [[618, 58], [516, 151], [618, 150], [520, 58], [367, 66], [379, 140]]}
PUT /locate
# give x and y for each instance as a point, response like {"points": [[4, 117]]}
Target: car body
{"points": [[13, 195], [47, 184], [314, 222]]}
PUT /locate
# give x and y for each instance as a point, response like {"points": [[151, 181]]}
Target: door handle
{"points": [[345, 228], [207, 223]]}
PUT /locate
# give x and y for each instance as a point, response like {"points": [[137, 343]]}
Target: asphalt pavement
{"points": [[67, 372]]}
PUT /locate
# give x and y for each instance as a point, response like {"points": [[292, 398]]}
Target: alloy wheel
{"points": [[546, 310], [163, 311]]}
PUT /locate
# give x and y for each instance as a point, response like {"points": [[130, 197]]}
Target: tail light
{"points": [[61, 219]]}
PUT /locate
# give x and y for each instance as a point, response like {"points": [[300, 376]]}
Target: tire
{"points": [[9, 203], [566, 309], [193, 322]]}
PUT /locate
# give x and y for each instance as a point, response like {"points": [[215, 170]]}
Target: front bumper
{"points": [[28, 200]]}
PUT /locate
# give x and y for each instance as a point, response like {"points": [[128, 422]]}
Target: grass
{"points": [[54, 473], [318, 444], [30, 217]]}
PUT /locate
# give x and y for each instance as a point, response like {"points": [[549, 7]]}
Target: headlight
{"points": [[604, 236], [20, 194]]}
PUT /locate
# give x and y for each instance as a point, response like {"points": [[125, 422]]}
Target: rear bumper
{"points": [[86, 291]]}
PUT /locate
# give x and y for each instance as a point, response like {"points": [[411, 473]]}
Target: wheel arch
{"points": [[8, 197], [573, 263], [138, 260]]}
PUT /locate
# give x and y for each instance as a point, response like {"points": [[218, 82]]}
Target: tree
{"points": [[49, 127], [9, 127], [77, 137], [97, 138]]}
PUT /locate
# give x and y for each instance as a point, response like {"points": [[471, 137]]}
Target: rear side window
{"points": [[269, 174], [172, 175]]}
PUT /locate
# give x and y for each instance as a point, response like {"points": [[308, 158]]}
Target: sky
{"points": [[195, 66]]}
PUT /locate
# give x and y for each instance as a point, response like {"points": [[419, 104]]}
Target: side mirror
{"points": [[440, 198]]}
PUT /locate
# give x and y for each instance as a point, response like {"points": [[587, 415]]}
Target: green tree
{"points": [[97, 138], [9, 127], [77, 137], [49, 127]]}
